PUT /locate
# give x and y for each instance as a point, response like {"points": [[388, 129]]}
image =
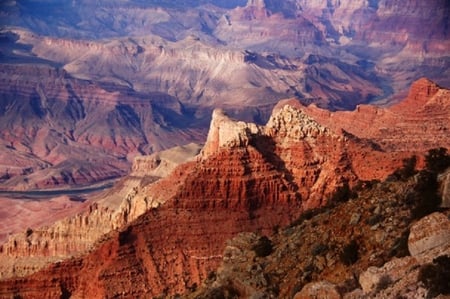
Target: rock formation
{"points": [[322, 289], [355, 249], [429, 239], [163, 229], [225, 133], [444, 180], [396, 128], [431, 232], [87, 87], [76, 233]]}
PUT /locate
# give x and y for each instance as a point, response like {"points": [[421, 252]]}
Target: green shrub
{"points": [[425, 196], [407, 170], [263, 247], [436, 276], [437, 160], [349, 254]]}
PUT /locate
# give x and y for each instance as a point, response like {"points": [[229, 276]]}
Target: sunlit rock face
{"points": [[86, 88], [418, 123], [431, 232]]}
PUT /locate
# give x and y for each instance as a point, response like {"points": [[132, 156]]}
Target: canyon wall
{"points": [[65, 131]]}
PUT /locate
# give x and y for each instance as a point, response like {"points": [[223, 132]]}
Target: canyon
{"points": [[237, 148], [112, 80], [162, 229]]}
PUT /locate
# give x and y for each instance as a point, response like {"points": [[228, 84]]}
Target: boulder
{"points": [[444, 182], [429, 232], [321, 289]]}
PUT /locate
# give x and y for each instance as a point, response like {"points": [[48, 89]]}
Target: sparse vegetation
{"points": [[222, 292], [436, 276], [406, 171], [349, 254], [425, 196], [323, 234], [437, 160], [400, 246], [306, 215], [263, 247], [343, 193], [384, 282]]}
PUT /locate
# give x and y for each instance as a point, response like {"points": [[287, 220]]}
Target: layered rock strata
{"points": [[246, 178], [64, 131], [99, 215], [168, 232], [418, 123]]}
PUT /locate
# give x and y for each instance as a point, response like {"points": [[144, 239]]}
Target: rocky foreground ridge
{"points": [[373, 245], [162, 231]]}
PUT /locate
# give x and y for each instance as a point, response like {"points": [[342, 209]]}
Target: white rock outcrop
{"points": [[429, 232], [227, 133]]}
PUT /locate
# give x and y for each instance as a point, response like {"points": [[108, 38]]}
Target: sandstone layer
{"points": [[76, 229]]}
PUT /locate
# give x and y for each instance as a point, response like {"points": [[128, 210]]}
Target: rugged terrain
{"points": [[372, 246], [86, 86], [163, 229], [323, 184], [61, 131]]}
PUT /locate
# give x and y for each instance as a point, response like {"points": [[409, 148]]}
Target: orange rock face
{"points": [[418, 123]]}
